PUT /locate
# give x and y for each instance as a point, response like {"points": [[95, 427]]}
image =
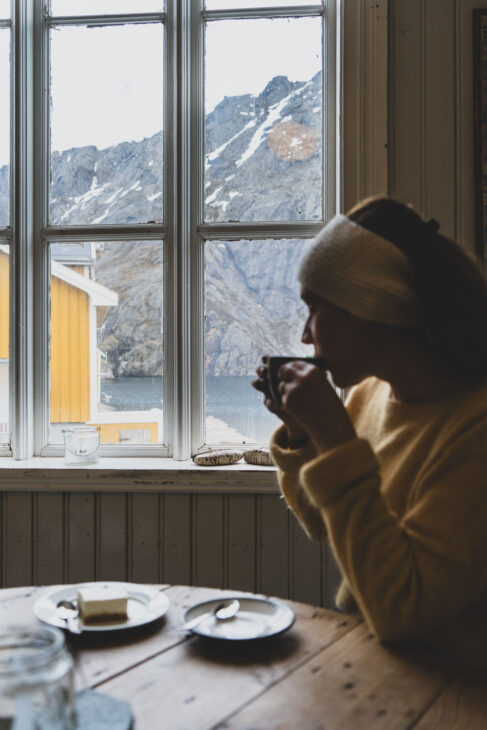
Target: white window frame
{"points": [[183, 232]]}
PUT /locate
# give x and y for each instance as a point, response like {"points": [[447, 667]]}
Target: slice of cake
{"points": [[102, 603]]}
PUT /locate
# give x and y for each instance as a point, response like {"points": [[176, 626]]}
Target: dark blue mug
{"points": [[274, 362]]}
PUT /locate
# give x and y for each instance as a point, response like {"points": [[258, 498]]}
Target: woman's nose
{"points": [[306, 337]]}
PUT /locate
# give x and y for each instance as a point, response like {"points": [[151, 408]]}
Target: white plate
{"points": [[257, 618], [144, 605]]}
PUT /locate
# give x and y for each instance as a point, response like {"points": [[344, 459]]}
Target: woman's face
{"points": [[340, 338]]}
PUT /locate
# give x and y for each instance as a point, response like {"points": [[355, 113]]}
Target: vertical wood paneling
{"points": [[307, 558], [465, 120], [240, 549], [48, 553], [80, 537], [144, 538], [439, 113], [111, 555], [208, 540], [244, 542], [405, 104], [331, 577], [177, 539], [273, 546], [17, 539]]}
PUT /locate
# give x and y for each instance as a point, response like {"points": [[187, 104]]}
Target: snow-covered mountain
{"points": [[262, 163]]}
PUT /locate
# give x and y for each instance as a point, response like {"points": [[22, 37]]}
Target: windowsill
{"points": [[138, 474]]}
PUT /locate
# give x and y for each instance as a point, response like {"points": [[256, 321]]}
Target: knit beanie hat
{"points": [[360, 272]]}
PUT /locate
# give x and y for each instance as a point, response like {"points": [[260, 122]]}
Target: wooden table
{"points": [[327, 672]]}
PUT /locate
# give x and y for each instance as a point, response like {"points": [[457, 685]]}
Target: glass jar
{"points": [[81, 444], [36, 679]]}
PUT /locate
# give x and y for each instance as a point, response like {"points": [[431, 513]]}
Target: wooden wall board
{"points": [[208, 541], [240, 549], [273, 519], [80, 530], [48, 540], [307, 567], [17, 543], [111, 537], [177, 537], [144, 538]]}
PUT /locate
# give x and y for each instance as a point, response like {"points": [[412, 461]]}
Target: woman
{"points": [[397, 479]]}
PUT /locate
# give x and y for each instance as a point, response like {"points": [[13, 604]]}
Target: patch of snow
{"points": [[213, 155], [260, 134], [153, 197], [101, 218], [211, 198], [112, 197]]}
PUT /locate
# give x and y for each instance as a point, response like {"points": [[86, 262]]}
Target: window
{"points": [[166, 172]]}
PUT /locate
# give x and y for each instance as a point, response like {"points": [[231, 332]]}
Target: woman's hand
{"points": [[312, 404], [294, 432]]}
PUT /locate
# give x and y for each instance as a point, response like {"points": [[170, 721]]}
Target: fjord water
{"points": [[229, 398]]}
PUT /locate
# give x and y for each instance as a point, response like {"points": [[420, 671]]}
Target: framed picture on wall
{"points": [[480, 129]]}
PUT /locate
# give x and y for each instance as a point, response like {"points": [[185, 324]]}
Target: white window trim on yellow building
{"points": [[366, 27]]}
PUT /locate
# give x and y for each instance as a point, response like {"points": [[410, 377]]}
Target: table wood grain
{"points": [[327, 672]]}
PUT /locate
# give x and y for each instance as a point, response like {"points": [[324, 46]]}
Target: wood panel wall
{"points": [[431, 124], [246, 542]]}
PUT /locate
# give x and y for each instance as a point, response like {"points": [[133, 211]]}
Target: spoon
{"points": [[68, 611], [221, 612]]}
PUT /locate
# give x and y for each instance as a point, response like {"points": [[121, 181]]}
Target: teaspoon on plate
{"points": [[221, 612], [68, 611]]}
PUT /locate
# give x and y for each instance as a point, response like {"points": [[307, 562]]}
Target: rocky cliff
{"points": [[263, 162]]}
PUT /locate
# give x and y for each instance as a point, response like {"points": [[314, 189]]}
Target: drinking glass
{"points": [[36, 679]]}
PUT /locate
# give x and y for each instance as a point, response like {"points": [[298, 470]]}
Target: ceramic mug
{"points": [[273, 364]]}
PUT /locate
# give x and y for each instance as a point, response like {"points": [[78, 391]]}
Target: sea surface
{"points": [[230, 398]]}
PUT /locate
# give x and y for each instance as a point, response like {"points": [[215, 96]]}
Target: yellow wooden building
{"points": [[77, 304]]}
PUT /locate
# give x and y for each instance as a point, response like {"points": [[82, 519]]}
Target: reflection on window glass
{"points": [[106, 124], [231, 4], [4, 127], [4, 344], [252, 308], [106, 340], [263, 131], [104, 7]]}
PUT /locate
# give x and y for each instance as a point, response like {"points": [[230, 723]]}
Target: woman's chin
{"points": [[343, 380]]}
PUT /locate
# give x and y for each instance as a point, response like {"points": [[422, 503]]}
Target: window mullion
{"points": [[22, 188], [197, 121], [331, 170], [41, 218], [181, 230]]}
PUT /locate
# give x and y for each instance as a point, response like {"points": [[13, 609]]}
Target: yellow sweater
{"points": [[405, 508]]}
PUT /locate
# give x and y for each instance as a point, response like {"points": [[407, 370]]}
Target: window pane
{"points": [[232, 4], [4, 343], [4, 127], [106, 124], [4, 9], [106, 339], [263, 131], [253, 308], [104, 7]]}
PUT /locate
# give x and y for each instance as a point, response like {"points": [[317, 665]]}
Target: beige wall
{"points": [[431, 110]]}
